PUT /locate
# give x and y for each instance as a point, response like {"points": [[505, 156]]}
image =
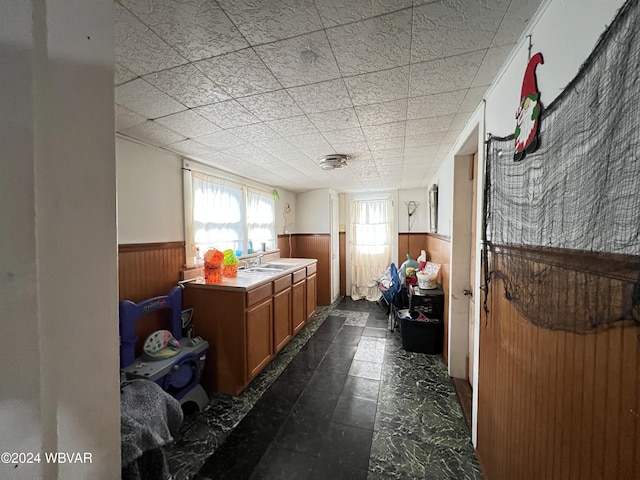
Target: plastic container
{"points": [[427, 281], [420, 336], [213, 266]]}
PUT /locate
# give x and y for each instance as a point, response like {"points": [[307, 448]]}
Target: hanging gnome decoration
{"points": [[528, 114]]}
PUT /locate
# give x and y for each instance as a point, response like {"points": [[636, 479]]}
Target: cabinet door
{"points": [[298, 308], [311, 295], [259, 335], [282, 327]]}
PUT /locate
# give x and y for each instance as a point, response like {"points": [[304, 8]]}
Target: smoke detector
{"points": [[333, 162]]}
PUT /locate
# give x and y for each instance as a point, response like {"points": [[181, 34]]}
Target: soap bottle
{"points": [[250, 247]]}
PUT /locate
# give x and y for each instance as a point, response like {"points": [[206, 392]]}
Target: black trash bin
{"points": [[420, 336]]}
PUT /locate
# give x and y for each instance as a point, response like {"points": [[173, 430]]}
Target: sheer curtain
{"points": [[371, 232], [261, 219], [217, 213]]}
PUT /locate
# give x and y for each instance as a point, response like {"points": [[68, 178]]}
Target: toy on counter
{"points": [[408, 271], [213, 266], [230, 264]]}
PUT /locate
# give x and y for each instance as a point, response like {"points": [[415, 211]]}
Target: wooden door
{"points": [[298, 308], [311, 296], [282, 328], [259, 337]]}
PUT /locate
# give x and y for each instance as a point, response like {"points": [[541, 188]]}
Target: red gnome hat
{"points": [[527, 120], [529, 85]]}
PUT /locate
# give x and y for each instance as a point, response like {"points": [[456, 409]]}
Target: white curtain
{"points": [[217, 213], [371, 232], [261, 219]]}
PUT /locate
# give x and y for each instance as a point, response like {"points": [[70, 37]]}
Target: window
{"points": [[224, 214]]}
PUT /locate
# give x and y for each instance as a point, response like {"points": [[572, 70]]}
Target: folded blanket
{"points": [[149, 418]]}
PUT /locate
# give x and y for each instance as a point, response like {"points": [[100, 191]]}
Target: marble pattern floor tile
{"points": [[342, 400]]}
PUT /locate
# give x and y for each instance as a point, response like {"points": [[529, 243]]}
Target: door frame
{"points": [[470, 141]]}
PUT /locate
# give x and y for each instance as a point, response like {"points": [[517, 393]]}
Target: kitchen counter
{"points": [[247, 320], [247, 280]]}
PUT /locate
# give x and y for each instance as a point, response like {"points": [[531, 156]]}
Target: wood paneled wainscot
{"points": [[248, 320]]}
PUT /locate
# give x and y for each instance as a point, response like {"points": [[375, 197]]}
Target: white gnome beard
{"points": [[525, 123]]}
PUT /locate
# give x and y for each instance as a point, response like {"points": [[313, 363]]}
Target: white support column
{"points": [[58, 255]]}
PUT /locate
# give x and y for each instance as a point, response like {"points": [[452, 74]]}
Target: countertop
{"points": [[250, 280]]}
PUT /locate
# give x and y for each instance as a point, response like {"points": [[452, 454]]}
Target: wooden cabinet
{"points": [[311, 291], [259, 347], [298, 307], [282, 327], [246, 328]]}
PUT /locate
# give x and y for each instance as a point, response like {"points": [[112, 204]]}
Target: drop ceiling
{"points": [[263, 89]]}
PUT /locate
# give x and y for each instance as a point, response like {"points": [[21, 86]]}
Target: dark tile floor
{"points": [[343, 400]]}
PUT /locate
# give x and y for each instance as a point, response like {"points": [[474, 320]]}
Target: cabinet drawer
{"points": [[281, 283], [311, 269], [258, 294], [299, 275]]}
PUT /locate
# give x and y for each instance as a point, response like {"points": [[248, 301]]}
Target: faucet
{"points": [[255, 261]]}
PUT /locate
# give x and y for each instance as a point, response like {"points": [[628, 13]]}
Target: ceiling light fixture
{"points": [[333, 162]]}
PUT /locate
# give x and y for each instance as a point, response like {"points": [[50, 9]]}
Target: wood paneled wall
{"points": [[145, 271], [438, 248], [318, 246], [556, 405], [343, 263]]}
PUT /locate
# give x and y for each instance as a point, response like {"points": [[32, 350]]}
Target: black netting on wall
{"points": [[562, 227]]}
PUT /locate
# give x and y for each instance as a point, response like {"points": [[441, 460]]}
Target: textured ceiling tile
{"points": [[460, 121], [220, 140], [444, 75], [293, 126], [266, 21], [271, 106], [187, 85], [188, 123], [387, 130], [388, 153], [239, 73], [122, 75], [254, 132], [379, 87], [339, 12], [144, 99], [491, 65], [188, 147], [420, 153], [433, 124], [246, 151], [321, 97], [227, 114], [315, 152], [348, 135], [153, 133], [435, 105], [451, 27], [451, 136], [308, 140], [378, 144], [423, 140], [338, 119], [195, 28], [273, 144], [379, 113], [518, 15], [374, 44], [139, 49], [472, 99], [292, 67], [126, 118]]}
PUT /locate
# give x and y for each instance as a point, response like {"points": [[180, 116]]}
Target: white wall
{"points": [[58, 258], [420, 219], [150, 200], [149, 194], [313, 215]]}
